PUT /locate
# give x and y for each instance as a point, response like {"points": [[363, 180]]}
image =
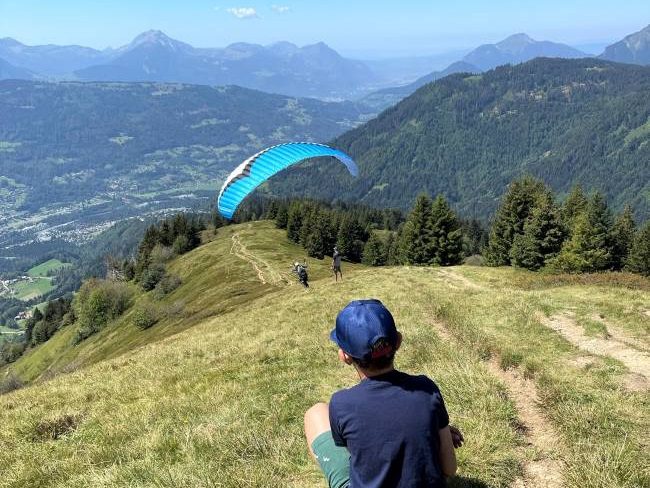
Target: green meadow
{"points": [[546, 375]]}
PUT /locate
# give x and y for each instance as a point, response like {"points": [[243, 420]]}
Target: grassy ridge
{"points": [[215, 397]]}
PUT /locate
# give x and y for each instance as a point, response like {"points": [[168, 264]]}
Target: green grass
{"points": [[213, 395], [26, 290], [47, 267]]}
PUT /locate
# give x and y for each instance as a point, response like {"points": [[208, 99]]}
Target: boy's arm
{"points": [[447, 454]]}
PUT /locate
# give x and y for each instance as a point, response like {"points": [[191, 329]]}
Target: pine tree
{"points": [[575, 203], [281, 217], [446, 246], [638, 260], [416, 234], [589, 248], [622, 237], [542, 238], [392, 251], [294, 222], [320, 241], [517, 204], [351, 238], [375, 252]]}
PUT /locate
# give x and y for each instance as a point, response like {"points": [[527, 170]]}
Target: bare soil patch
{"points": [[636, 361], [265, 272]]}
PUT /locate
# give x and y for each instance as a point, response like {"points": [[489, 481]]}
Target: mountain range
{"points": [[515, 49], [310, 71], [468, 136], [314, 70]]}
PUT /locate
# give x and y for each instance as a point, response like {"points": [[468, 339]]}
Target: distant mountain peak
{"points": [[156, 38], [10, 41], [518, 48], [515, 42], [634, 48]]}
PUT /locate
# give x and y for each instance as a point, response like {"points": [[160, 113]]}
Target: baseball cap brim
{"points": [[333, 337]]}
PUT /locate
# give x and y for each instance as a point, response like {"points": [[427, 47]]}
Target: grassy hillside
{"points": [[547, 376]]}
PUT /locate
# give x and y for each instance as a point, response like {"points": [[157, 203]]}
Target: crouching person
{"points": [[392, 428]]}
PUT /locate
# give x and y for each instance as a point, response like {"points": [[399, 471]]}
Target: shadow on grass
{"points": [[464, 482]]}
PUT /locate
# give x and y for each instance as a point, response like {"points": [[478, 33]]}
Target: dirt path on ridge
{"points": [[542, 471], [269, 275], [456, 279], [636, 361]]}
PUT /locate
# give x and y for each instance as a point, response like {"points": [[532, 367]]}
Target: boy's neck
{"points": [[365, 373]]}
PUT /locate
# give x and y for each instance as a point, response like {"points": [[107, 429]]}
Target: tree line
{"points": [[581, 234], [431, 234]]}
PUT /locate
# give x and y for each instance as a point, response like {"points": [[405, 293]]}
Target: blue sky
{"points": [[361, 28]]}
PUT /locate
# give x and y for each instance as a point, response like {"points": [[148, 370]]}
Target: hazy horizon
{"points": [[363, 29]]}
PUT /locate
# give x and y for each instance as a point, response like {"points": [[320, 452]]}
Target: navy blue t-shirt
{"points": [[390, 425]]}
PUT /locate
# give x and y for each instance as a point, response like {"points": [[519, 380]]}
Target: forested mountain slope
{"points": [[468, 136]]}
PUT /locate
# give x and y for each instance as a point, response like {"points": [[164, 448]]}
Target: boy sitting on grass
{"points": [[391, 429]]}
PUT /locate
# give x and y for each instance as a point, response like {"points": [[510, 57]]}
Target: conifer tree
{"points": [[446, 234], [351, 238], [589, 248], [517, 204], [622, 237], [638, 260], [294, 222], [542, 238], [416, 234], [281, 217], [375, 252], [575, 203]]}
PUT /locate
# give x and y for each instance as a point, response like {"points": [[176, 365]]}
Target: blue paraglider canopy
{"points": [[263, 165]]}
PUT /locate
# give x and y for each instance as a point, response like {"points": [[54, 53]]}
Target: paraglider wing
{"points": [[260, 167]]}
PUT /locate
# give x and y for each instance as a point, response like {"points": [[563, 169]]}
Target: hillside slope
{"points": [[221, 403], [468, 137]]}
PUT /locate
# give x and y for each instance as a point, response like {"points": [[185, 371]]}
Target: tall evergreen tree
{"points": [[416, 234], [281, 217], [589, 248], [351, 238], [574, 204], [638, 260], [542, 238], [446, 234], [294, 222], [622, 237], [375, 252], [517, 204]]}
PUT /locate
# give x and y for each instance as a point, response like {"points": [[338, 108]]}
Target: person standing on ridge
{"points": [[392, 428], [336, 264]]}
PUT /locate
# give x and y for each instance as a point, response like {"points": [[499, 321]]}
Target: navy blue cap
{"points": [[360, 325]]}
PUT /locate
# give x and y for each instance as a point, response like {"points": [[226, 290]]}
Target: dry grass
{"points": [[215, 397]]}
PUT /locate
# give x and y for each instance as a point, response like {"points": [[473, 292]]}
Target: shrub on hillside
{"points": [[98, 302], [10, 383], [166, 285], [145, 316], [152, 276], [161, 254]]}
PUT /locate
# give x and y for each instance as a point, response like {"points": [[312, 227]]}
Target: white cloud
{"points": [[281, 9], [243, 12]]}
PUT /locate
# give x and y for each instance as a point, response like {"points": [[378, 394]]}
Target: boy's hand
{"points": [[456, 436]]}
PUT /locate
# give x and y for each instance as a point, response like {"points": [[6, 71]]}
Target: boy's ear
{"points": [[343, 357], [399, 341]]}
